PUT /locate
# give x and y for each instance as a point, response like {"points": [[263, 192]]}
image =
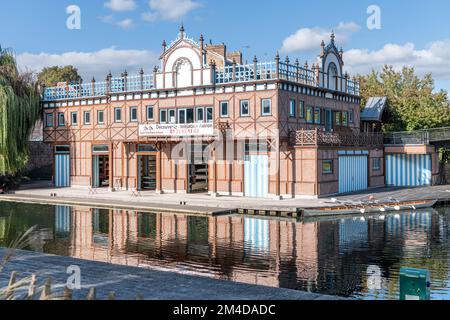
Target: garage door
{"points": [[408, 170], [62, 170], [353, 173], [256, 176]]}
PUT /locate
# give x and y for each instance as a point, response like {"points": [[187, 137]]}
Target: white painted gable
{"points": [[182, 66]]}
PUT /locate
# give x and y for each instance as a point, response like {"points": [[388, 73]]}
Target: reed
{"points": [[27, 288]]}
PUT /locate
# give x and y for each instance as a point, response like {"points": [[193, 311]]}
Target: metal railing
{"points": [[226, 75], [321, 138], [426, 136], [246, 73], [98, 89]]}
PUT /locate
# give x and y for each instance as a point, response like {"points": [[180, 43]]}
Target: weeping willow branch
{"points": [[19, 111]]}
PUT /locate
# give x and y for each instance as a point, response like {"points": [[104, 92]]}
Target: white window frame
{"points": [[263, 112], [241, 108], [116, 120], [378, 162], [49, 124], [87, 113], [165, 111], [227, 114], [147, 113], [131, 114], [292, 108], [212, 114], [169, 116], [74, 123], [197, 113], [179, 116], [185, 110], [63, 123], [319, 120], [98, 116], [302, 109]]}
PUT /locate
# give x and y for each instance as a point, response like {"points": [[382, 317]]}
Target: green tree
{"points": [[52, 75], [413, 103], [19, 111]]}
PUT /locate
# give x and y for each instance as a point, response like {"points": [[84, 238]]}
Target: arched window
{"points": [[332, 77], [183, 73]]}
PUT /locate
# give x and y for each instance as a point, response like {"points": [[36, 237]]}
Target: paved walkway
{"points": [[207, 205], [129, 282]]}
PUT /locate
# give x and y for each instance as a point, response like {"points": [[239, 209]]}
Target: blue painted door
{"points": [[63, 218], [256, 176], [408, 170], [256, 235], [95, 171], [62, 170], [353, 173]]}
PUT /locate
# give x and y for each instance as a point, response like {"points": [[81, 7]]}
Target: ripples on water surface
{"points": [[353, 257]]}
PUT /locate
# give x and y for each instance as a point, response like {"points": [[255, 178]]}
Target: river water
{"points": [[351, 257]]}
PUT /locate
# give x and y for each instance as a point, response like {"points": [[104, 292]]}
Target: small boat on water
{"points": [[368, 207]]}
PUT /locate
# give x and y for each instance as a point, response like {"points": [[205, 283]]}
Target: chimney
{"points": [[236, 56]]}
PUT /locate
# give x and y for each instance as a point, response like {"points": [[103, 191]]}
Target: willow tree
{"points": [[19, 111]]}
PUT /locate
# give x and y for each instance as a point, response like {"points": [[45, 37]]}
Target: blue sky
{"points": [[127, 34]]}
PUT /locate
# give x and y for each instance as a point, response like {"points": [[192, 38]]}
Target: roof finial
{"points": [[182, 31], [333, 37]]}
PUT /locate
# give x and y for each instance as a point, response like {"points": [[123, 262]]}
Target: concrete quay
{"points": [[203, 204]]}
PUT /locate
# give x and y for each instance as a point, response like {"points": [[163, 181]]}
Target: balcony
{"points": [[231, 74], [93, 89], [283, 71], [436, 136], [318, 138]]}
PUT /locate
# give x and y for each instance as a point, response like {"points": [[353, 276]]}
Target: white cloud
{"points": [[309, 39], [126, 23], [171, 10], [93, 64], [121, 5], [434, 58], [348, 26], [107, 19], [149, 16]]}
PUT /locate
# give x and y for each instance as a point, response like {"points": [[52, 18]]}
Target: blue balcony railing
{"points": [[98, 89], [226, 75]]}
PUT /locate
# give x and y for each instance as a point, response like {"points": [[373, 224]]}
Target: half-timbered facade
{"points": [[205, 122]]}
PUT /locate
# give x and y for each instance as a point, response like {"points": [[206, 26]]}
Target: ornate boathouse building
{"points": [[204, 121]]}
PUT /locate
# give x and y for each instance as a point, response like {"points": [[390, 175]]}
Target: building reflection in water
{"points": [[350, 257], [236, 248]]}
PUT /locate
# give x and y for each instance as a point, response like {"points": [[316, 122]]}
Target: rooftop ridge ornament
{"points": [[182, 36], [333, 37], [322, 45]]}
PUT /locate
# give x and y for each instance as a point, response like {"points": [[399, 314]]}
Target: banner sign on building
{"points": [[176, 130]]}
